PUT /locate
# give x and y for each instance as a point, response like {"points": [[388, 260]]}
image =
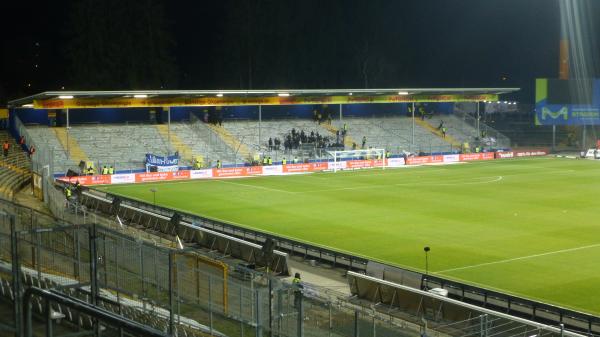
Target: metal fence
{"points": [[185, 293]]}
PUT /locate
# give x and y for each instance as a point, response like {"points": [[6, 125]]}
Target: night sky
{"points": [[281, 44]]}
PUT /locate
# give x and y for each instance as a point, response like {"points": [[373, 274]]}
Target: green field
{"points": [[529, 227]]}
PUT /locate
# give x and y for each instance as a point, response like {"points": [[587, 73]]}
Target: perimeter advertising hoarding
{"points": [[567, 102], [245, 171]]}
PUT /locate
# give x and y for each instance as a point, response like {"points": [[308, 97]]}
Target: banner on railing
{"points": [[156, 163]]}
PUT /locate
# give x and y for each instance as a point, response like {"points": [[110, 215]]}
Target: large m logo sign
{"points": [[564, 112]]}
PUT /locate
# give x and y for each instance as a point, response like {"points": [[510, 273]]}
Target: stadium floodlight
{"points": [[339, 157], [140, 96], [65, 97], [283, 94], [27, 105], [349, 94], [402, 92], [220, 94]]}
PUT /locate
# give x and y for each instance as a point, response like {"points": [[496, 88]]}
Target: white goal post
{"points": [[363, 154]]}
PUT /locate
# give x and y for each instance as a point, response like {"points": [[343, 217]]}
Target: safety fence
{"points": [[182, 291]]}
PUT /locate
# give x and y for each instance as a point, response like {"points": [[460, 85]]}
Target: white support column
{"points": [[340, 112], [478, 117], [259, 126], [413, 127], [169, 130], [68, 127]]}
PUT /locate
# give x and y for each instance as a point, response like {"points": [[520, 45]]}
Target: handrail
{"points": [[355, 262], [464, 305], [89, 309]]}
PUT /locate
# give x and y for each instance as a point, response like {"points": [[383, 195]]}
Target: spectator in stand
{"points": [[104, 170], [219, 165], [111, 170], [31, 151], [444, 131], [270, 142], [441, 125], [22, 141], [354, 146], [5, 148], [364, 142]]}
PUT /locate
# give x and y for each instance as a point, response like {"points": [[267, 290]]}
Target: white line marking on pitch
{"points": [[519, 258], [420, 183], [254, 186]]}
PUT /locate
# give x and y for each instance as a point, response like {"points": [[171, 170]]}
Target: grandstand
{"points": [[243, 134], [14, 169]]}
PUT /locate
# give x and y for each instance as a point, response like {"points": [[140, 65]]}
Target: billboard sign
{"points": [[567, 102]]}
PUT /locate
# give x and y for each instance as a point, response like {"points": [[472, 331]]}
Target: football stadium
{"points": [[412, 169], [302, 212]]}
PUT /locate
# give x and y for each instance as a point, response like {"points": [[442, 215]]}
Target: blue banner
{"points": [[154, 160]]}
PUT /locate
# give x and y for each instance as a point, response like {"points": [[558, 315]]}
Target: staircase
{"points": [[14, 169], [76, 153], [348, 141], [448, 139], [231, 141], [185, 151]]}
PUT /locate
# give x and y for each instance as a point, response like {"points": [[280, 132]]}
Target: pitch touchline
{"points": [[421, 183], [519, 258], [255, 186]]}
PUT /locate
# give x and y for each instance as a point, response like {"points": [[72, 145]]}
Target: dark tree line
{"points": [[310, 44], [113, 44], [254, 44]]}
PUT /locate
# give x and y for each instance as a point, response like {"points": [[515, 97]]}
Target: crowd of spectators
{"points": [[322, 116], [213, 116], [294, 140]]}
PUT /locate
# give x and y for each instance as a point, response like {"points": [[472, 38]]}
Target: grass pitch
{"points": [[529, 227]]}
